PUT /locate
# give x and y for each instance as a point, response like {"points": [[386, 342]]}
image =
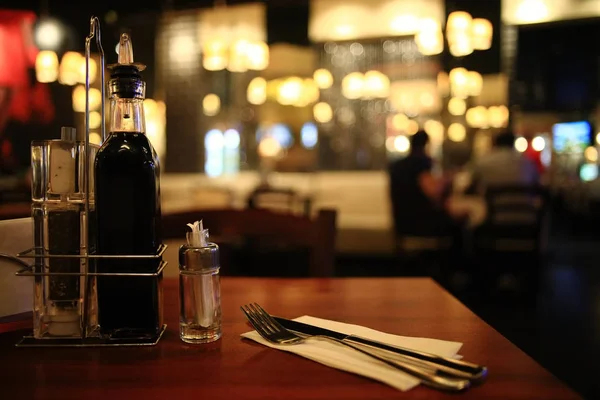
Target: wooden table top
{"points": [[235, 368]]}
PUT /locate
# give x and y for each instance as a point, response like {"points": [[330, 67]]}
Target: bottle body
{"points": [[128, 223]]}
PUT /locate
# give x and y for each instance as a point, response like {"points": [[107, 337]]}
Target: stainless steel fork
{"points": [[274, 332]]}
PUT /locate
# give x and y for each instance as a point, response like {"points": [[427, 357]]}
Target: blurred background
{"points": [[315, 99]]}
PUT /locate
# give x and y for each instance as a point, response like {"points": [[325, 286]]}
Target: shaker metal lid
{"points": [[199, 258], [68, 133]]}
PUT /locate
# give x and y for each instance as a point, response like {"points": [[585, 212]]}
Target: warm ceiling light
{"points": [[257, 91], [459, 23], [400, 122], [352, 85], [92, 68], [95, 138], [474, 83], [323, 78], [238, 59], [95, 120], [538, 143], [457, 106], [269, 147], [48, 34], [310, 93], [461, 46], [412, 127], [498, 116], [457, 132], [211, 104], [215, 55], [289, 91], [257, 56], [401, 144], [481, 34], [591, 154], [46, 66], [322, 112], [477, 117], [95, 98], [435, 129], [376, 85], [70, 68], [443, 83], [521, 144], [459, 82], [430, 43]]}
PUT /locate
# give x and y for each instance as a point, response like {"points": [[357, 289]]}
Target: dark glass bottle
{"points": [[128, 208]]}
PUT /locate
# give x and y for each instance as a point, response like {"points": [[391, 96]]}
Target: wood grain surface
{"points": [[233, 368]]}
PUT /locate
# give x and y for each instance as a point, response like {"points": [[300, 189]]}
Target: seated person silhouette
{"points": [[503, 166], [417, 196]]}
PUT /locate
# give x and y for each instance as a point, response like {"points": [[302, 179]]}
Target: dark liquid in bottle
{"points": [[128, 219]]}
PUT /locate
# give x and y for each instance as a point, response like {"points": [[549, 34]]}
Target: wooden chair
{"points": [[514, 219], [284, 231], [278, 199], [511, 240]]}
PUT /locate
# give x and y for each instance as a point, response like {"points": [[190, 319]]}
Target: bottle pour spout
{"points": [[125, 50], [126, 81]]}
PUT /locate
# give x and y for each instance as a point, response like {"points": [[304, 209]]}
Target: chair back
{"points": [[227, 226], [515, 216], [278, 199]]}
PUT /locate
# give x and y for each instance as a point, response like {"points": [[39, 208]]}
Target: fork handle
{"points": [[427, 378]]}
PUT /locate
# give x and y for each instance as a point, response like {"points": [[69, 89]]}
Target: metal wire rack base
{"points": [[93, 339], [146, 340]]}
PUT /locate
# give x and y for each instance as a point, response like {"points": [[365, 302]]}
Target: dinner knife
{"points": [[475, 372]]}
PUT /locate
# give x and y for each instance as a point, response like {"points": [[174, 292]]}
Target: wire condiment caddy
{"points": [[65, 270]]}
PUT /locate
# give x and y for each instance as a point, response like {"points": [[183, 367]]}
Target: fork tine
{"points": [[256, 324], [265, 318], [276, 325], [252, 316]]}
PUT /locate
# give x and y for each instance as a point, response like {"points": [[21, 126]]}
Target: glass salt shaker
{"points": [[199, 288]]}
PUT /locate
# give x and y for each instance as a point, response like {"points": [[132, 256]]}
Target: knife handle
{"points": [[477, 372]]}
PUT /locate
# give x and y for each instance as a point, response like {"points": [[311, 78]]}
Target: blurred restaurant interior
{"points": [[300, 106]]}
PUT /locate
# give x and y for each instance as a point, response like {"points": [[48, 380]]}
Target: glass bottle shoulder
{"points": [[126, 145]]}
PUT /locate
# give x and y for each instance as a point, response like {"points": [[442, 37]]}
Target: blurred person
{"points": [[503, 166], [418, 195]]}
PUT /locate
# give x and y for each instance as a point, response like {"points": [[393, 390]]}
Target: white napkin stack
{"points": [[344, 358]]}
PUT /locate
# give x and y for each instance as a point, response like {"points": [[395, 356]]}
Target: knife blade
{"points": [[477, 372]]}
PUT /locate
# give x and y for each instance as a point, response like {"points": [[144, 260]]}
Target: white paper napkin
{"points": [[344, 358]]}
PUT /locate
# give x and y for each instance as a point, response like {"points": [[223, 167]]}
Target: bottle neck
{"points": [[127, 115]]}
